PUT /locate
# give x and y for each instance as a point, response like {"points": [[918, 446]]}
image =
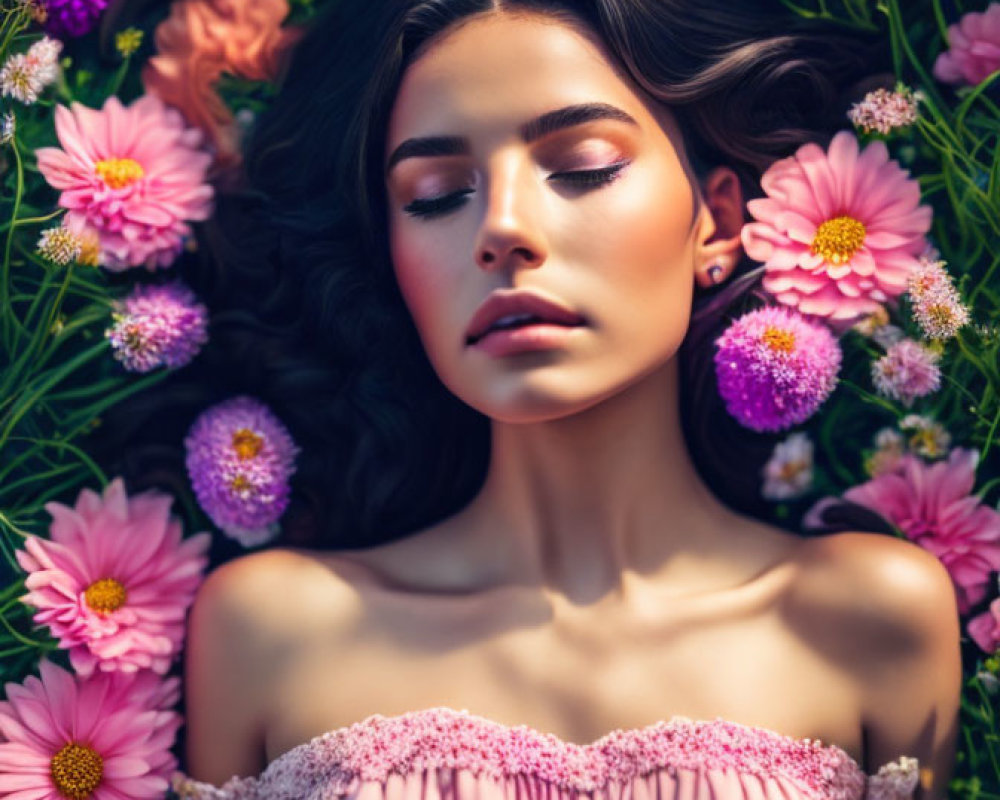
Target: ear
{"points": [[719, 225]]}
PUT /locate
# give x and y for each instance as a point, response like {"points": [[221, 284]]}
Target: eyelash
{"points": [[586, 178]]}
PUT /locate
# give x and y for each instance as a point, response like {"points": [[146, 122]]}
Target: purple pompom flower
{"points": [[68, 18], [774, 368], [157, 326], [240, 459]]}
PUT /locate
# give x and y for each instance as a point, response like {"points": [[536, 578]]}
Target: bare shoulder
{"points": [[886, 608], [270, 592], [880, 585], [249, 617]]}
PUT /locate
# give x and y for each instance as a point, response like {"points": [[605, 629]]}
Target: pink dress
{"points": [[444, 754]]}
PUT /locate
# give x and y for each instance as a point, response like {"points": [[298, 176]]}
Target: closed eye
{"points": [[590, 177], [583, 178], [436, 206]]}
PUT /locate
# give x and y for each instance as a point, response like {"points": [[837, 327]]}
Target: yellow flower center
{"points": [[132, 336], [119, 172], [925, 441], [246, 443], [791, 469], [240, 484], [90, 251], [76, 771], [838, 239], [778, 339], [105, 595], [940, 315]]}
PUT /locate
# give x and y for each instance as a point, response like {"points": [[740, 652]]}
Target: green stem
{"points": [[116, 82], [20, 637], [941, 22], [985, 280], [990, 436], [969, 395], [869, 397], [6, 521], [57, 375], [54, 311], [989, 374], [5, 278], [17, 223]]}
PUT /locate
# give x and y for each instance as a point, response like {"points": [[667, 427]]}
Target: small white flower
{"points": [[929, 438], [60, 245], [7, 127], [19, 79], [989, 681], [789, 471], [43, 57], [889, 448]]}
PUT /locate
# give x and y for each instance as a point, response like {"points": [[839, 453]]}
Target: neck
{"points": [[575, 504]]}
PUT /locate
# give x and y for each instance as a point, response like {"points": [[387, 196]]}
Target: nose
{"points": [[510, 234]]}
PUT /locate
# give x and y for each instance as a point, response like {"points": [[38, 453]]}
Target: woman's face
{"points": [[591, 208]]}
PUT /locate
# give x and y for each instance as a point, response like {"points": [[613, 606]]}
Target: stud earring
{"points": [[715, 271]]}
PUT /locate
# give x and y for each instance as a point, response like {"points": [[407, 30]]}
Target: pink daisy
{"points": [[933, 506], [103, 737], [132, 174], [115, 580], [975, 48], [838, 233]]}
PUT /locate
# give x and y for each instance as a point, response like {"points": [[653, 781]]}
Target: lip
{"points": [[500, 303], [527, 338]]}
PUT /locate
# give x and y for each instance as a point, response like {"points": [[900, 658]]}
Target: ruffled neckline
{"points": [[441, 736]]}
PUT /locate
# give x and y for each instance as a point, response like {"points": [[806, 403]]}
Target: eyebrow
{"points": [[547, 123]]}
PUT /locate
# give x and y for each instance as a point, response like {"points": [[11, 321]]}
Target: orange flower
{"points": [[199, 41]]}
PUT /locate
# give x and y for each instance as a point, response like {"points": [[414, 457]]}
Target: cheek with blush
{"points": [[424, 284]]}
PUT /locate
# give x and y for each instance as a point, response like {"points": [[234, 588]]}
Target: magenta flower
{"points": [[932, 505], [975, 48], [907, 371], [838, 233], [69, 18], [985, 628], [131, 174], [103, 737], [240, 459], [774, 368], [114, 581], [158, 326]]}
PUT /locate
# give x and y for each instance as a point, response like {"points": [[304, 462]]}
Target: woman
{"points": [[489, 219]]}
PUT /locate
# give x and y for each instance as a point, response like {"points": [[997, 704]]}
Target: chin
{"points": [[524, 399]]}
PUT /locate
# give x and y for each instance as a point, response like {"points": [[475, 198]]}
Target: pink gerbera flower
{"points": [[115, 580], [838, 233], [975, 48], [132, 174], [103, 737], [932, 505]]}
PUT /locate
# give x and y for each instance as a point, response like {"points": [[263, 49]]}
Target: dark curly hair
{"points": [[295, 265]]}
